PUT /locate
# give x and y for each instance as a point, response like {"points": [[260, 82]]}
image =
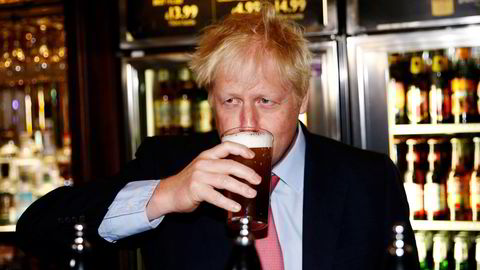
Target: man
{"points": [[333, 207]]}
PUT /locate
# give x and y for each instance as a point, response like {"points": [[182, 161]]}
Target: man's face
{"points": [[256, 98]]}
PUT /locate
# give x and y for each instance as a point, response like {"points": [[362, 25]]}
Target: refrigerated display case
{"points": [[409, 94]]}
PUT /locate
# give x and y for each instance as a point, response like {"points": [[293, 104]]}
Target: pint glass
{"points": [[255, 210]]}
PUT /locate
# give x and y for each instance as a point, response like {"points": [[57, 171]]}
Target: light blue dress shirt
{"points": [[127, 213]]}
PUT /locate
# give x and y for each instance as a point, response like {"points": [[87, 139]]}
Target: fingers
{"points": [[216, 198], [231, 184], [228, 148], [229, 167]]}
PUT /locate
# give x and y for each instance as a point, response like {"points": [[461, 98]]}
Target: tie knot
{"points": [[274, 182]]}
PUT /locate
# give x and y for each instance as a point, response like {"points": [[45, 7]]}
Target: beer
{"points": [[413, 183], [440, 252], [475, 182], [440, 104], [396, 86], [435, 197], [463, 85], [163, 103], [417, 93], [256, 209], [457, 184], [183, 103]]}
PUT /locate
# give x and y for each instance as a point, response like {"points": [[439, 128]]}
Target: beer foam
{"points": [[250, 139]]}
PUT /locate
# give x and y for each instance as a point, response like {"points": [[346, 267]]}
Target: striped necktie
{"points": [[268, 248]]}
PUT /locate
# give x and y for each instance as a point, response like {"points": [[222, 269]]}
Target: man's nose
{"points": [[249, 116]]}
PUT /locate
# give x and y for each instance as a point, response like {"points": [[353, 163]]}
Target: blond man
{"points": [[333, 206]]}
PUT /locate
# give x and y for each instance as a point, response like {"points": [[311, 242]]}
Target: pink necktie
{"points": [[268, 248]]}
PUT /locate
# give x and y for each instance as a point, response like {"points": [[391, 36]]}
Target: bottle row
{"points": [[448, 251], [179, 106], [440, 180], [440, 86]]}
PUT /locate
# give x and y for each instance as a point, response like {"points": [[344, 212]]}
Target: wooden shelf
{"points": [[7, 228], [425, 225], [435, 129]]}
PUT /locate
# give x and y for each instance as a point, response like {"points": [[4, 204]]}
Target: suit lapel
{"points": [[324, 194]]}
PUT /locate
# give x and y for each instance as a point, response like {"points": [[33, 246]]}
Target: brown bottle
{"points": [[396, 87], [440, 92], [434, 189], [475, 182], [417, 93], [413, 183], [183, 102], [464, 109], [458, 185], [163, 103]]}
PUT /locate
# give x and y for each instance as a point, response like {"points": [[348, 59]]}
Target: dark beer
{"points": [[255, 209]]}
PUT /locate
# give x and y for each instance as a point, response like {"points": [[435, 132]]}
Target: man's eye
{"points": [[265, 101]]}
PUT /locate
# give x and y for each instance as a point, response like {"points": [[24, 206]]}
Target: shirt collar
{"points": [[290, 168]]}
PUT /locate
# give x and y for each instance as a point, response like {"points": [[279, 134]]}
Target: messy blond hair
{"points": [[239, 39]]}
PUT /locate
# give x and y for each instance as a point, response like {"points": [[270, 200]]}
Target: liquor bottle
{"points": [[413, 183], [183, 102], [422, 247], [244, 255], [80, 250], [417, 93], [435, 197], [163, 103], [440, 252], [203, 115], [440, 93], [399, 253], [396, 86], [475, 182], [457, 185], [460, 251], [464, 109], [477, 252]]}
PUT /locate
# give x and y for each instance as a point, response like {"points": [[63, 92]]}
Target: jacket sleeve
{"points": [[46, 227], [397, 210]]}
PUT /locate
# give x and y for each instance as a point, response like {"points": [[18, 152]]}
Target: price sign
{"points": [[309, 13], [161, 18]]}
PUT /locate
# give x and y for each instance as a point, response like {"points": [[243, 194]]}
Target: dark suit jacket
{"points": [[352, 198]]}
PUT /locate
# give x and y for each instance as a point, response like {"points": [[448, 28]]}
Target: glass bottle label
{"points": [[455, 191], [163, 115], [203, 121], [417, 104], [414, 196], [434, 197], [184, 117], [475, 192], [463, 100]]}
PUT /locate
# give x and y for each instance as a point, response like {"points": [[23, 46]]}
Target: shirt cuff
{"points": [[127, 214]]}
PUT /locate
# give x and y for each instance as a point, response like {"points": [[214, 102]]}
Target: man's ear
{"points": [[304, 104]]}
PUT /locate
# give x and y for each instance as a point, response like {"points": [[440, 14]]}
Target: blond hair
{"points": [[239, 39]]}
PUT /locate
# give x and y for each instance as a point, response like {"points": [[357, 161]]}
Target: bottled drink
{"points": [[460, 251], [396, 87], [163, 103], [413, 183], [417, 93], [440, 251], [464, 109], [80, 249], [422, 247], [183, 102], [477, 252], [244, 255], [440, 103], [435, 197], [475, 182], [203, 115], [458, 185], [399, 253]]}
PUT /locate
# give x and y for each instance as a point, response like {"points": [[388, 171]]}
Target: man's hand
{"points": [[201, 180]]}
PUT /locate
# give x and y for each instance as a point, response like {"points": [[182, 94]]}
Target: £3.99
{"points": [[181, 12]]}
